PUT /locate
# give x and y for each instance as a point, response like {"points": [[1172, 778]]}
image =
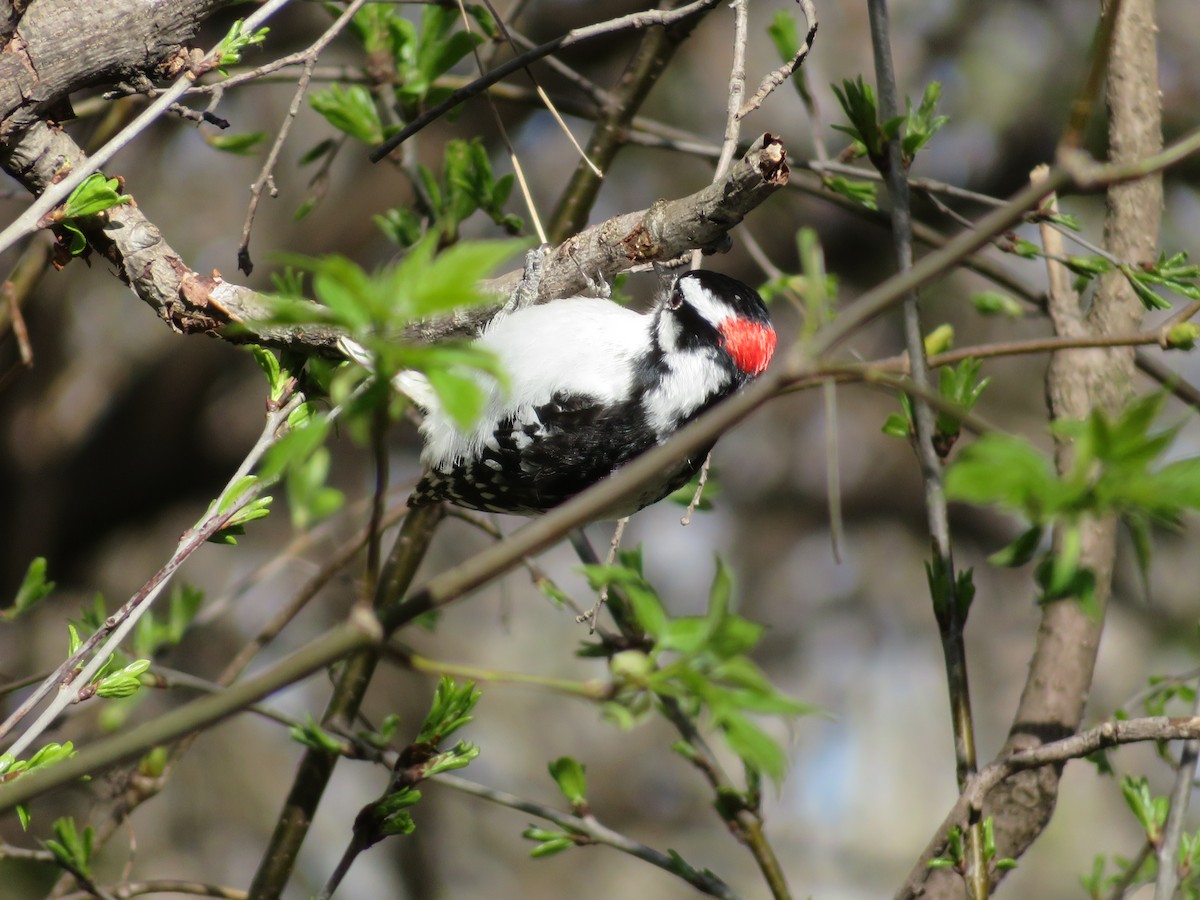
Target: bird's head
{"points": [[710, 311]]}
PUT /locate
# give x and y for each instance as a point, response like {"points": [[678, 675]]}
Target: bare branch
{"points": [[312, 54], [783, 73]]}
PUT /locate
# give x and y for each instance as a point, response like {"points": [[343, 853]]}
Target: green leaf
{"points": [[460, 395], [1006, 471], [897, 426], [857, 100], [350, 109], [34, 588], [72, 849], [1026, 249], [1088, 266], [754, 746], [864, 193], [784, 36], [1141, 283], [160, 629], [312, 735], [95, 194], [939, 340], [401, 226], [922, 123], [450, 711], [393, 811], [124, 683], [1063, 219], [1150, 811], [238, 144], [1182, 336], [76, 241], [451, 280], [550, 847], [644, 601], [309, 498], [458, 757], [991, 303], [1020, 551], [235, 525], [229, 51], [570, 776]]}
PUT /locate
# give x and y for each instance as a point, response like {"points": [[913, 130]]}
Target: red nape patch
{"points": [[751, 344]]}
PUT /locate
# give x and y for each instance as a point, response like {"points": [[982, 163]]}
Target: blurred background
{"points": [[114, 442]]}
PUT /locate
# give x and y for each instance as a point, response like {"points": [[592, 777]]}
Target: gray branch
{"points": [[193, 303]]}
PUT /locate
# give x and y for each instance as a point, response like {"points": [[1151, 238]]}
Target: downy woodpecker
{"points": [[591, 385]]}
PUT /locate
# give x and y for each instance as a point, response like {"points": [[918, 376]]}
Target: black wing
{"points": [[533, 464]]}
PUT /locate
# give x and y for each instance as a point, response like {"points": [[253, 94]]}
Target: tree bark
{"points": [[60, 46], [1078, 382]]}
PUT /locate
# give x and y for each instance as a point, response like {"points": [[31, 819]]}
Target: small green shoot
{"points": [[871, 136], [72, 849], [1116, 468], [237, 144], [571, 777], [93, 196], [34, 588], [256, 508], [125, 683], [701, 662], [237, 40]]}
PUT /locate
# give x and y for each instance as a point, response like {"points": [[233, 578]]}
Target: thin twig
{"points": [[404, 656], [316, 767], [128, 889], [587, 826], [737, 88], [698, 494], [1172, 833], [30, 220], [513, 159], [362, 630], [73, 674], [541, 95], [784, 72], [634, 21], [536, 572], [949, 613], [1102, 737], [266, 177], [833, 470]]}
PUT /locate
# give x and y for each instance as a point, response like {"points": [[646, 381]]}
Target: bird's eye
{"points": [[675, 300]]}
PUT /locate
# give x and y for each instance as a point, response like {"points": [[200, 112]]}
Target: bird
{"points": [[590, 386]]}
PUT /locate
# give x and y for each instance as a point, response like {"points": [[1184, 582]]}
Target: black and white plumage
{"points": [[591, 386]]}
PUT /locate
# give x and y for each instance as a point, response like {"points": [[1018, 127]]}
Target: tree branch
{"points": [[1078, 381], [60, 46], [191, 303], [1048, 755]]}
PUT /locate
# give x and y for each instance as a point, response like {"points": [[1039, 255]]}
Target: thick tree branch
{"points": [[1078, 381], [60, 46], [1045, 756], [191, 303]]}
